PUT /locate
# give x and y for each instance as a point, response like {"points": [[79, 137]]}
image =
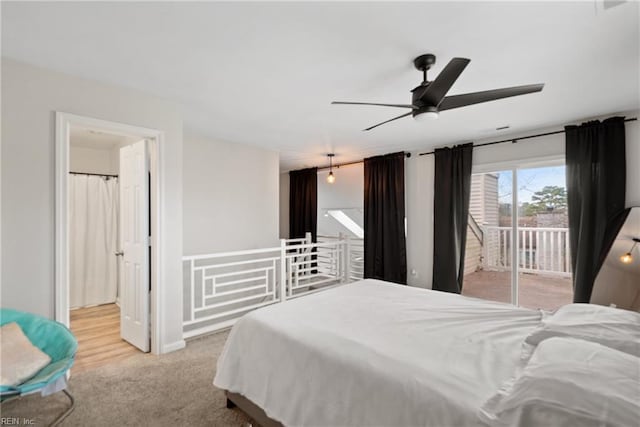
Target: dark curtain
{"points": [[303, 203], [450, 214], [385, 253], [596, 181]]}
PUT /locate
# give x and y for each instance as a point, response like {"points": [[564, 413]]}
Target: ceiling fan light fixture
{"points": [[427, 116]]}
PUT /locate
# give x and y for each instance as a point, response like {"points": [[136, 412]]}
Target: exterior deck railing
{"points": [[541, 250]]}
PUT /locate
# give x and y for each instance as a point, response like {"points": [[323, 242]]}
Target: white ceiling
{"points": [[265, 73]]}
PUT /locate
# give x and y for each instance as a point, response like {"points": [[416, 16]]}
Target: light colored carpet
{"points": [[143, 390]]}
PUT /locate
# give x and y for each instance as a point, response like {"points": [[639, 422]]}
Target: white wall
{"points": [[346, 192], [30, 98], [626, 277], [94, 160], [419, 186], [633, 161], [420, 175], [230, 196]]}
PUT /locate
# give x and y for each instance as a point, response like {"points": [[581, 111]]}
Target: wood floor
{"points": [[97, 330], [534, 290]]}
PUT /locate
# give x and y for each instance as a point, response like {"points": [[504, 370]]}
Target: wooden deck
{"points": [[535, 290], [97, 330]]}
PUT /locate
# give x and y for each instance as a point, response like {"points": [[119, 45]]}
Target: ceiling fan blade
{"points": [[387, 121], [381, 105], [437, 89], [457, 101]]}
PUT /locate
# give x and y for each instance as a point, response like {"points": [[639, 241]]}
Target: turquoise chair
{"points": [[54, 339]]}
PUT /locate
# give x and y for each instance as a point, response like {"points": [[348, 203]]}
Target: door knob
{"points": [[121, 253]]}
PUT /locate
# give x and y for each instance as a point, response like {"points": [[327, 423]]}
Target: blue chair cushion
{"points": [[52, 337]]}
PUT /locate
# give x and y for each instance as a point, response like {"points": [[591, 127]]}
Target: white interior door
{"points": [[134, 220]]}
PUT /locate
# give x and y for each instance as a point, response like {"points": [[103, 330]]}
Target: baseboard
{"points": [[178, 345], [218, 327]]}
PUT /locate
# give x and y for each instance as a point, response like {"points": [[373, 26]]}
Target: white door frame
{"points": [[64, 122]]}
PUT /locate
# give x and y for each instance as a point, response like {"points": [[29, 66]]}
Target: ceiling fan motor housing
{"points": [[423, 107], [424, 62]]}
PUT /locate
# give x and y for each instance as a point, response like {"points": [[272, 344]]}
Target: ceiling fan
{"points": [[429, 98]]}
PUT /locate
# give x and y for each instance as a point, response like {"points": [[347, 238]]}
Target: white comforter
{"points": [[373, 353]]}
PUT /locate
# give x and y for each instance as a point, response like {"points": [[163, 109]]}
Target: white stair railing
{"points": [[355, 257], [311, 267], [219, 288]]}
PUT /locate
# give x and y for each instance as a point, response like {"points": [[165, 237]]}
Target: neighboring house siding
{"points": [[476, 200], [491, 205], [483, 207], [483, 202], [473, 253]]}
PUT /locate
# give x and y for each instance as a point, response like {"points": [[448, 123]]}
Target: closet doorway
{"points": [[104, 284]]}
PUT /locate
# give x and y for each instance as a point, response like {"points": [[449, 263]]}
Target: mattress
{"points": [[373, 353]]}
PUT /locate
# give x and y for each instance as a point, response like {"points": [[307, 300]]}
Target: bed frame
{"points": [[252, 410]]}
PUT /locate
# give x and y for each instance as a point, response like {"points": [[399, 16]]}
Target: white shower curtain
{"points": [[93, 232]]}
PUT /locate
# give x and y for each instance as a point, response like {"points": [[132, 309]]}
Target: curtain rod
{"points": [[93, 174], [355, 162], [515, 140]]}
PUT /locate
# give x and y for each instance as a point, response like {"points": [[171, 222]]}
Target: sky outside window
{"points": [[529, 182]]}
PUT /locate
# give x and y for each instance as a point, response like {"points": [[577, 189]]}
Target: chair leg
{"points": [[66, 413]]}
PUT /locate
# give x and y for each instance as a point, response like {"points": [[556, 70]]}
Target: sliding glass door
{"points": [[517, 240], [544, 279]]}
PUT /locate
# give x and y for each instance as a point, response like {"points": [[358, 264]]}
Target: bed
{"points": [[372, 353]]}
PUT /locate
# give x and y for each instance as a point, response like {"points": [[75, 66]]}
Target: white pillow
{"points": [[569, 382], [612, 327], [19, 358]]}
